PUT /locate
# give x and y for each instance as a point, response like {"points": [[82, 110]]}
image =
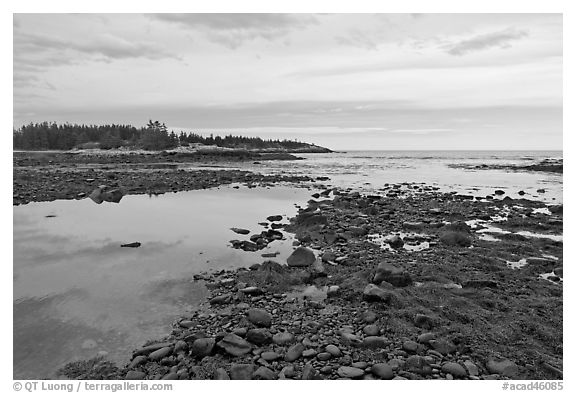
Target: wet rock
{"points": [[283, 338], [294, 352], [264, 373], [135, 375], [131, 245], [220, 374], [202, 347], [235, 345], [241, 371], [259, 336], [382, 371], [301, 257], [391, 274], [455, 369], [503, 367], [160, 353], [350, 372], [373, 293], [274, 218]]}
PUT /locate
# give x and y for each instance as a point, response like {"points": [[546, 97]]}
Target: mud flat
{"points": [[471, 297]]}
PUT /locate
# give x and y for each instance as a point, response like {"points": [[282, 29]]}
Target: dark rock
{"points": [[241, 371], [382, 371], [202, 347], [264, 373], [131, 245], [396, 242], [423, 321], [138, 360], [457, 239], [240, 231], [260, 317], [392, 274], [274, 218], [235, 345], [294, 352], [259, 336], [301, 257], [374, 293]]}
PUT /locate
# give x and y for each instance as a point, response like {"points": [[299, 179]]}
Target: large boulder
{"points": [[301, 257]]}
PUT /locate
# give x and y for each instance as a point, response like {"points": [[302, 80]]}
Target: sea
{"points": [[78, 294]]}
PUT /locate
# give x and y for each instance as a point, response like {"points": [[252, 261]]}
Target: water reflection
{"points": [[74, 285]]}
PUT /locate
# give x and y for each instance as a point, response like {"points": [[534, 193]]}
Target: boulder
{"points": [[301, 257]]}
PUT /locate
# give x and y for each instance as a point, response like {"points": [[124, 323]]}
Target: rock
{"points": [[180, 346], [131, 245], [374, 342], [323, 356], [260, 317], [170, 376], [349, 338], [151, 348], [455, 369], [301, 257], [374, 293], [221, 299], [264, 373], [160, 353], [445, 347], [309, 373], [350, 372], [455, 239], [471, 368], [318, 269], [252, 291], [503, 367], [391, 274], [333, 350], [259, 336], [135, 375], [235, 345], [395, 242], [423, 321], [333, 291], [369, 316], [480, 284], [410, 346], [294, 352], [269, 356], [413, 225], [274, 218], [202, 347], [286, 372], [241, 371], [425, 338], [382, 371], [283, 338], [418, 364], [221, 374], [138, 360], [371, 330], [328, 256], [240, 231], [309, 353], [499, 192]]}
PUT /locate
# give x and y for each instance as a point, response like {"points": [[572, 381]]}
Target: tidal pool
{"points": [[77, 293]]}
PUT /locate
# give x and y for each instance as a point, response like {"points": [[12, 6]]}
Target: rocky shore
{"points": [[549, 165], [41, 177], [409, 283]]}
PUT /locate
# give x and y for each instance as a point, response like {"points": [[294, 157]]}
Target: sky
{"points": [[344, 81]]}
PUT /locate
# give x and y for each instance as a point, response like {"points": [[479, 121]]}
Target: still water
{"points": [[77, 292]]}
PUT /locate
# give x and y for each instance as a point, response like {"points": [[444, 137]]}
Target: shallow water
{"points": [[77, 292]]}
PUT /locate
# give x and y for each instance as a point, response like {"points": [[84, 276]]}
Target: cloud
{"points": [[421, 131], [233, 30], [480, 42]]}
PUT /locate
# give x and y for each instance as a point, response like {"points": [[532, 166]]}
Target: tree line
{"points": [[154, 136]]}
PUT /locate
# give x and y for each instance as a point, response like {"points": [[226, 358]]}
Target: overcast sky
{"points": [[345, 81]]}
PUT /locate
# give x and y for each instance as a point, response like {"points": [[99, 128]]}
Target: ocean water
{"points": [[449, 170]]}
